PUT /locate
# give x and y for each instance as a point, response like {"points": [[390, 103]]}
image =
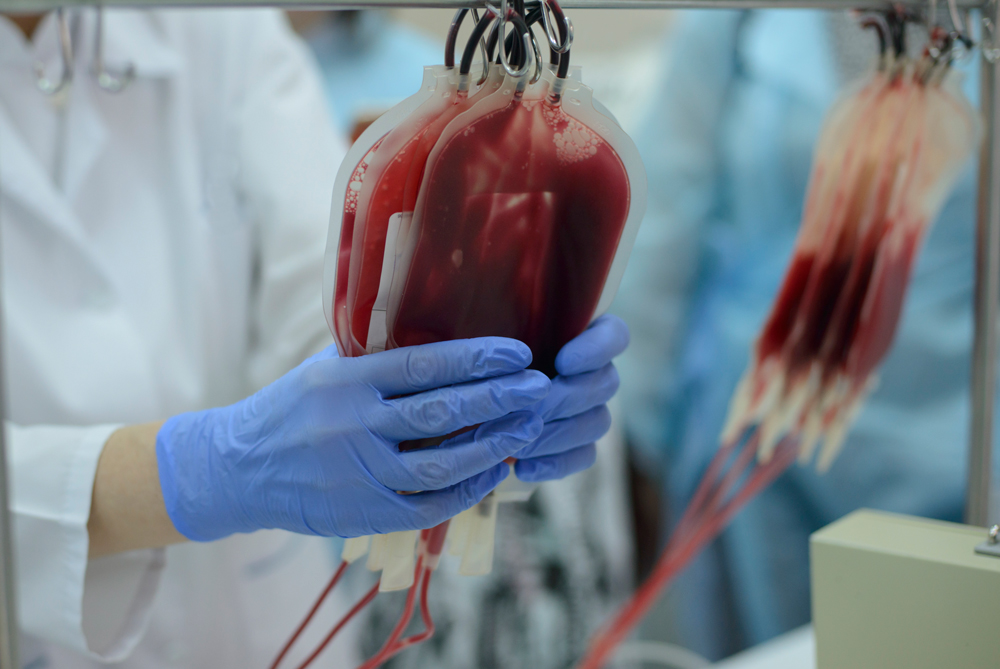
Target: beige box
{"points": [[898, 592]]}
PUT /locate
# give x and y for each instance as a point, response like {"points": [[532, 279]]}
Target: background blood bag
{"points": [[888, 155]]}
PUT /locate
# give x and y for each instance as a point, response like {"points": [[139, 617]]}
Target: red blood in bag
{"points": [[786, 307], [880, 313], [340, 313], [385, 200], [819, 310], [396, 192], [430, 137], [519, 225]]}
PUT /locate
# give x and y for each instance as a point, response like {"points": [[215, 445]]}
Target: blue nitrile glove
{"points": [[575, 411], [316, 451]]}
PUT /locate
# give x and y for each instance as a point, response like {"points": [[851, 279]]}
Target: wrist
{"points": [[194, 501], [127, 510]]}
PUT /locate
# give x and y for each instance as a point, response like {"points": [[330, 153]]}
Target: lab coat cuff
{"points": [[99, 608], [117, 602]]}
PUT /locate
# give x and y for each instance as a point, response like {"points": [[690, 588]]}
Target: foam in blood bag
{"points": [[341, 318], [391, 190], [346, 198], [519, 218], [380, 199], [523, 233]]}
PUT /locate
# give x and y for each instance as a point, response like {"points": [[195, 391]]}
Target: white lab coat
{"points": [[165, 255]]}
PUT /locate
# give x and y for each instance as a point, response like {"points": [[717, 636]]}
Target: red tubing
{"points": [[710, 489], [432, 541], [707, 483], [678, 553], [762, 476], [388, 649], [425, 614], [435, 538], [720, 493], [362, 603], [312, 612]]}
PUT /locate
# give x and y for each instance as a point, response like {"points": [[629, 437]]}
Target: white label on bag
{"points": [[377, 330]]}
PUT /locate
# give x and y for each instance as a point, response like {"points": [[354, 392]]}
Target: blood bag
{"points": [[528, 209], [546, 243]]}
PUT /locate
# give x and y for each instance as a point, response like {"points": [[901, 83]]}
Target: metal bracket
{"points": [[992, 544], [986, 548]]}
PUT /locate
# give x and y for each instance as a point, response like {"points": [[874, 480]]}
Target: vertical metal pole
{"points": [[987, 296], [8, 586], [9, 656]]}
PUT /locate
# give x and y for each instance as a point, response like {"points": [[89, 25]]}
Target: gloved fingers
{"points": [[594, 347], [565, 435], [463, 456], [573, 395], [414, 369], [428, 509], [445, 410], [550, 467]]}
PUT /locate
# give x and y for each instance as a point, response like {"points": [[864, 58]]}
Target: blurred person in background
{"points": [[368, 61], [563, 558], [162, 253], [728, 149]]}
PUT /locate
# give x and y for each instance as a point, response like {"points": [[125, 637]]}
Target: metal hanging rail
{"points": [[978, 510], [987, 292], [44, 5]]}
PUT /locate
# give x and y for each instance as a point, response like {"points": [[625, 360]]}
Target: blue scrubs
{"points": [[728, 151], [370, 63]]}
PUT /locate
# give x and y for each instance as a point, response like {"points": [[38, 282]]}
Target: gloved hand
{"points": [[316, 451], [575, 411]]}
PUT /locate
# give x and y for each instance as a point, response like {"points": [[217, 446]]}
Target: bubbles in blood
{"points": [[340, 311], [396, 192], [386, 200], [519, 224]]}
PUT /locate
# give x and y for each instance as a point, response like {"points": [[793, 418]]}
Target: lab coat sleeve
{"points": [[289, 154], [99, 607], [679, 149]]}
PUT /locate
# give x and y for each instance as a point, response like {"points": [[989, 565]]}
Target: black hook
{"points": [[565, 38], [477, 32], [881, 27], [449, 44]]}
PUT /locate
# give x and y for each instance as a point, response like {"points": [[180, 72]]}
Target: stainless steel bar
{"points": [[44, 5], [8, 585], [987, 298]]}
